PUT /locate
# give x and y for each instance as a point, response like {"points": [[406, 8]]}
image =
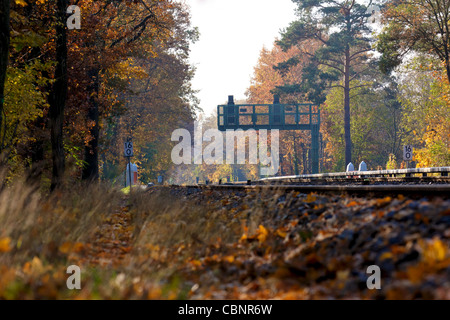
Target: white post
{"points": [[362, 166], [129, 173], [350, 167]]}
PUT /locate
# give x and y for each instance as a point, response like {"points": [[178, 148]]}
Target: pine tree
{"points": [[343, 29]]}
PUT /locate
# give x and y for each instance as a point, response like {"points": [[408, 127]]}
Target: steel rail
{"points": [[443, 171], [406, 190]]}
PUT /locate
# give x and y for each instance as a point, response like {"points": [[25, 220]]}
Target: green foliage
{"points": [[25, 102], [72, 152], [392, 163], [389, 48], [373, 126], [415, 25], [28, 38], [24, 98]]}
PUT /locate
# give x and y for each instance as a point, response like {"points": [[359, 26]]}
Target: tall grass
{"points": [[191, 230], [37, 224]]}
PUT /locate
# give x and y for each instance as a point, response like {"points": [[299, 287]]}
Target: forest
{"points": [[72, 96]]}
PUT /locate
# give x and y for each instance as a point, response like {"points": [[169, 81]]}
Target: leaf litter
{"points": [[181, 243]]}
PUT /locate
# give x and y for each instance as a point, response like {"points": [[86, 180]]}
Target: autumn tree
{"points": [[128, 57], [343, 29], [415, 42], [415, 25], [25, 88], [58, 95], [425, 99], [154, 97], [266, 78], [112, 32], [4, 55], [159, 100], [376, 130]]}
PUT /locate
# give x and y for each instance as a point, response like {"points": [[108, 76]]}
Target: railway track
{"points": [[361, 190], [429, 182]]}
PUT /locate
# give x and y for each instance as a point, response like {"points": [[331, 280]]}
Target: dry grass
{"points": [[173, 231], [170, 231], [161, 218], [37, 224], [165, 220]]}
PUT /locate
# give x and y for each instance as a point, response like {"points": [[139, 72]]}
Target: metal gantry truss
{"points": [[304, 116]]}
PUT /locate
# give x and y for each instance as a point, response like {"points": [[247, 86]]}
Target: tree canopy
{"points": [[343, 30]]}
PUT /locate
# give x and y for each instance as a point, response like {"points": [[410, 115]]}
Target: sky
{"points": [[232, 34]]}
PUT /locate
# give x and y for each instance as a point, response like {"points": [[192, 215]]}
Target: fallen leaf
{"points": [[281, 234], [78, 247], [65, 247], [229, 259], [352, 204], [262, 234], [311, 198], [434, 252], [5, 244], [386, 255]]}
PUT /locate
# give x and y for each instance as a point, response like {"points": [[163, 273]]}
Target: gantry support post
{"points": [[315, 148]]}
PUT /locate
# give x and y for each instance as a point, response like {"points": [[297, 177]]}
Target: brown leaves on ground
{"points": [[309, 246], [111, 242], [185, 243]]}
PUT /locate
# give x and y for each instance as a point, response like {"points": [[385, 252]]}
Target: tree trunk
{"points": [[36, 150], [38, 131], [447, 67], [58, 96], [91, 171], [347, 134], [4, 54]]}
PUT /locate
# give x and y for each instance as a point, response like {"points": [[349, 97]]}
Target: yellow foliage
{"points": [[128, 69], [261, 234], [21, 3], [244, 235]]}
